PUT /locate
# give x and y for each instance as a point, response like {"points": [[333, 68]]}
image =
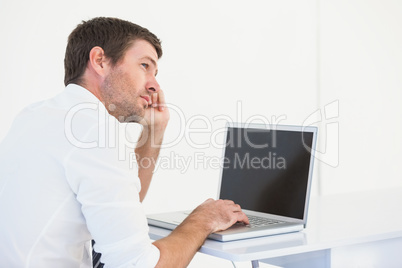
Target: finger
{"points": [[161, 100], [241, 217], [228, 202], [236, 208], [154, 98]]}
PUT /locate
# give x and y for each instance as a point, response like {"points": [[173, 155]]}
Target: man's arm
{"points": [[147, 155], [147, 151], [177, 249]]}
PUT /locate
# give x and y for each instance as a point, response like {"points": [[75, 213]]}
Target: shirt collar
{"points": [[82, 93]]}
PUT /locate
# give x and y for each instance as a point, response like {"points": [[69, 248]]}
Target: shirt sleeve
{"points": [[107, 187]]}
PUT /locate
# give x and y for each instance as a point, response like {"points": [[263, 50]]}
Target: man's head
{"points": [[113, 35], [117, 61]]}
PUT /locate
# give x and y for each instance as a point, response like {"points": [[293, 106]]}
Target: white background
{"points": [[335, 63]]}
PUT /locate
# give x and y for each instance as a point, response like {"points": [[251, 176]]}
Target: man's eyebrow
{"points": [[152, 61]]}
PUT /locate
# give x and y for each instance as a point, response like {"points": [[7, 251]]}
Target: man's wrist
{"points": [[202, 220], [151, 137]]}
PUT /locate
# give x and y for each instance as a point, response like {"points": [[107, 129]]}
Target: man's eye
{"points": [[145, 65]]}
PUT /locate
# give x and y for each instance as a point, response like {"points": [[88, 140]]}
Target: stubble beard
{"points": [[119, 100]]}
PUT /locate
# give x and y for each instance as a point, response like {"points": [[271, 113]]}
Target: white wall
{"points": [[361, 66], [230, 59], [240, 59], [260, 53]]}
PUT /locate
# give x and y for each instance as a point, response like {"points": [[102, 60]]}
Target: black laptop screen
{"points": [[267, 170]]}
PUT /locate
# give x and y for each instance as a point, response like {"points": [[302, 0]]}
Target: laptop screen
{"points": [[267, 170]]}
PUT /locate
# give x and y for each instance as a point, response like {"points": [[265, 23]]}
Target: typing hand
{"points": [[220, 214]]}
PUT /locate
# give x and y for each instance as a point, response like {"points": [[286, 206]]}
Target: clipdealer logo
{"points": [[327, 118], [112, 134]]}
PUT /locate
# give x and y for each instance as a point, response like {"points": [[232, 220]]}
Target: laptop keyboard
{"points": [[256, 221]]}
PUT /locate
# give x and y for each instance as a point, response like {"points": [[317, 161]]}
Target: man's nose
{"points": [[153, 85]]}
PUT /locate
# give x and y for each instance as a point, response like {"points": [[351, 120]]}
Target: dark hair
{"points": [[113, 35]]}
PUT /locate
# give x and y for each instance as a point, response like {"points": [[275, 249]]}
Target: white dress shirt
{"points": [[65, 179]]}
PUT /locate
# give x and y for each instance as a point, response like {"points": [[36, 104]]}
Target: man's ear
{"points": [[98, 61]]}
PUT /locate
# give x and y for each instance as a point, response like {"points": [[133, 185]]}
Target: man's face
{"points": [[127, 88]]}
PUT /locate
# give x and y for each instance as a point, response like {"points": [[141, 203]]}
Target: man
{"points": [[62, 184]]}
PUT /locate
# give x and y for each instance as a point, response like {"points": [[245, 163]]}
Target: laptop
{"points": [[267, 170]]}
